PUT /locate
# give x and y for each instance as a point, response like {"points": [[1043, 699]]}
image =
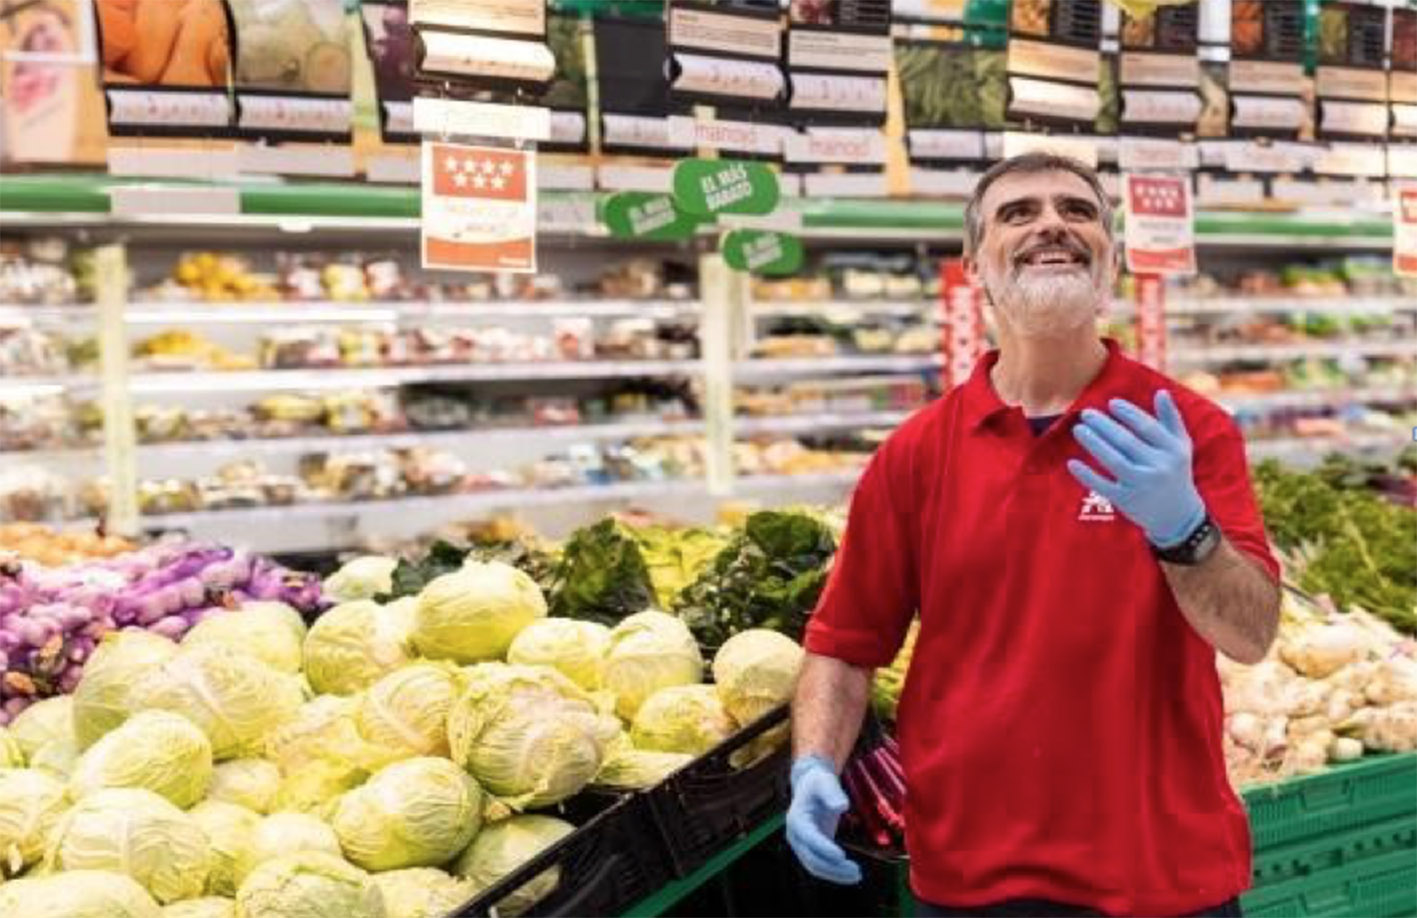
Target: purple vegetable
{"points": [[174, 626]]}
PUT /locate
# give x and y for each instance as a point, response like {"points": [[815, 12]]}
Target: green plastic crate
{"points": [[1371, 791], [1334, 852], [1384, 886]]}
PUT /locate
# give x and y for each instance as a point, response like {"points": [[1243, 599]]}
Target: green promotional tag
{"points": [[762, 251], [646, 215], [709, 187]]}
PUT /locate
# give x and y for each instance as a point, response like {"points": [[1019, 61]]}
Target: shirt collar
{"points": [[982, 404]]}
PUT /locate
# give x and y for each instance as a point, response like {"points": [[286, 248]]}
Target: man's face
{"points": [[1045, 258]]}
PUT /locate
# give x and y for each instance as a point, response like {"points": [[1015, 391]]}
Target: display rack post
{"points": [[723, 294], [119, 436]]}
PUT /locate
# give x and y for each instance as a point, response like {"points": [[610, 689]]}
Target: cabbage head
{"points": [[230, 830], [415, 813], [504, 846], [356, 642], [315, 789], [574, 647], [272, 632], [108, 693], [251, 783], [683, 718], [309, 884], [11, 755], [77, 894], [44, 723], [628, 768], [57, 758], [361, 578], [235, 698], [281, 834], [755, 672], [528, 734], [157, 750], [405, 713], [649, 651], [31, 803], [320, 753], [422, 892], [205, 907], [473, 613], [134, 832]]}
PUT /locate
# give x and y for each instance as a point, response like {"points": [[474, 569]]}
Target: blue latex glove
{"points": [[1150, 462], [817, 803]]}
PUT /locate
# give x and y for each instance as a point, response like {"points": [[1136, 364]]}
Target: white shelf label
{"points": [[448, 117]]}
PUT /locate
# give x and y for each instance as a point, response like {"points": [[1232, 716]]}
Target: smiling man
{"points": [[1079, 536]]}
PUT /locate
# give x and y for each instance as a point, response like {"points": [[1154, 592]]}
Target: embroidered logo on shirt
{"points": [[1096, 509]]}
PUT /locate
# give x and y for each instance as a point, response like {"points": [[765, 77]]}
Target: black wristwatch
{"points": [[1195, 548]]}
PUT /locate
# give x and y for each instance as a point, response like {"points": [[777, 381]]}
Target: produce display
{"points": [[397, 757], [823, 336]]}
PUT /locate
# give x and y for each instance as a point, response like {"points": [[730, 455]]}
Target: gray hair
{"points": [[1030, 164]]}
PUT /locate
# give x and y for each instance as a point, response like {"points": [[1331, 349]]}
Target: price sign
{"points": [[1404, 241], [709, 187], [1160, 233], [962, 312], [479, 208], [1151, 321]]}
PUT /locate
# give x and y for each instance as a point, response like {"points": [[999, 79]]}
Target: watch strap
{"points": [[1194, 548]]}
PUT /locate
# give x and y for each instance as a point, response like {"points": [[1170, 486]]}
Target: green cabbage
{"points": [[361, 578], [649, 651], [134, 832], [682, 718], [309, 884], [31, 803], [315, 789], [57, 758], [574, 647], [107, 695], [251, 783], [405, 713], [230, 830], [755, 672], [356, 642], [77, 894], [628, 768], [474, 613], [528, 734], [158, 750], [272, 632], [415, 813], [205, 907], [234, 697], [44, 723], [422, 892], [282, 834], [320, 753], [11, 755], [504, 846]]}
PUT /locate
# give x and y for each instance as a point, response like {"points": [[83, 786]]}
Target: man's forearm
{"points": [[1230, 601], [828, 707]]}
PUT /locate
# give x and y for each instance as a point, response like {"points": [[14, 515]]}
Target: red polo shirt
{"points": [[1061, 723]]}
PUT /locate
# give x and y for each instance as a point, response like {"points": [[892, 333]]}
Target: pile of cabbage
{"points": [[389, 761]]}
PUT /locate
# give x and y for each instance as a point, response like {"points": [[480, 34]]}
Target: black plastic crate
{"points": [[709, 804], [609, 863]]}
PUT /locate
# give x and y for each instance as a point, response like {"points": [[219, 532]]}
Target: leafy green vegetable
{"points": [[675, 557], [768, 576], [602, 576], [410, 577], [1351, 544]]}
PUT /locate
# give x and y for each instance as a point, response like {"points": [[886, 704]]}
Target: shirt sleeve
{"points": [[872, 590], [1223, 479]]}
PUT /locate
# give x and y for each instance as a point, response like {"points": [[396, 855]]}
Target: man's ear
{"points": [[971, 269]]}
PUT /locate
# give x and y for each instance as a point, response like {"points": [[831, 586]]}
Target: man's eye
{"points": [[1015, 215], [1081, 211]]}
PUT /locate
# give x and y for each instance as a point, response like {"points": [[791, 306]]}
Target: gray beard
{"points": [[1047, 307]]}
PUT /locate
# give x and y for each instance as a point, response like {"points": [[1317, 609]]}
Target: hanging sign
{"points": [[762, 251], [1404, 242], [479, 208], [1160, 237], [647, 215], [1151, 321], [962, 314], [709, 187]]}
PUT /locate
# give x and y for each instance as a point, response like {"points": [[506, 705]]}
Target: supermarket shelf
{"points": [[495, 500], [44, 385], [1356, 305], [340, 378], [902, 308], [1299, 448], [865, 363], [241, 313], [805, 423], [1224, 353], [1320, 398]]}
